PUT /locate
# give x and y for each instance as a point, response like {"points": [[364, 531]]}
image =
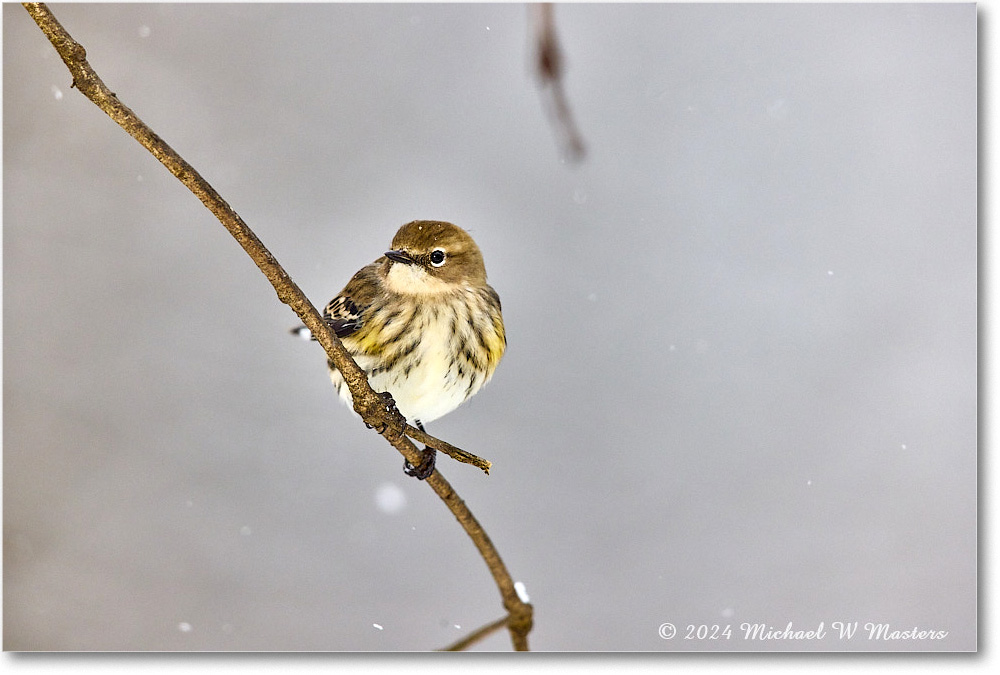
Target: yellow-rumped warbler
{"points": [[422, 322]]}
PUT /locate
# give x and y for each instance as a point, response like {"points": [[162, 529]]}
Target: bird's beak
{"points": [[400, 257]]}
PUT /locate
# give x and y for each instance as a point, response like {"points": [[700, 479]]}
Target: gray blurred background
{"points": [[741, 377]]}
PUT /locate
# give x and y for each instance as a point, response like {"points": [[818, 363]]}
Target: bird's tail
{"points": [[302, 332]]}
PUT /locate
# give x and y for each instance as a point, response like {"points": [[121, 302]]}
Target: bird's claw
{"points": [[392, 424], [425, 468]]}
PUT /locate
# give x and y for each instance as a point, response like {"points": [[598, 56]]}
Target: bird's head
{"points": [[431, 256]]}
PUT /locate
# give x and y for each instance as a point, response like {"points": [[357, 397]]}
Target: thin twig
{"points": [[448, 449], [370, 405], [476, 635]]}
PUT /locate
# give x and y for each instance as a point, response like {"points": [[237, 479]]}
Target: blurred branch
{"points": [[549, 67], [372, 407]]}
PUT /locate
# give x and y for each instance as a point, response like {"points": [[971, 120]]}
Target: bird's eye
{"points": [[437, 257]]}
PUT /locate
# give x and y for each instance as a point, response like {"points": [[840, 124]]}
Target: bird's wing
{"points": [[344, 313]]}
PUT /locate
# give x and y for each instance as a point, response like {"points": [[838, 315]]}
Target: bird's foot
{"points": [[425, 468], [391, 424]]}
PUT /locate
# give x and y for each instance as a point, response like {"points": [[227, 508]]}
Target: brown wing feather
{"points": [[344, 313]]}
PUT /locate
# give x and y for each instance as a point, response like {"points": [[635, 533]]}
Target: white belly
{"points": [[431, 388]]}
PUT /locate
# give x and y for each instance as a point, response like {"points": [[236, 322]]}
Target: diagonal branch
{"points": [[371, 406]]}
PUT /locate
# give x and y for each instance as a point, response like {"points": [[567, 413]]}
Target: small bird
{"points": [[422, 322]]}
